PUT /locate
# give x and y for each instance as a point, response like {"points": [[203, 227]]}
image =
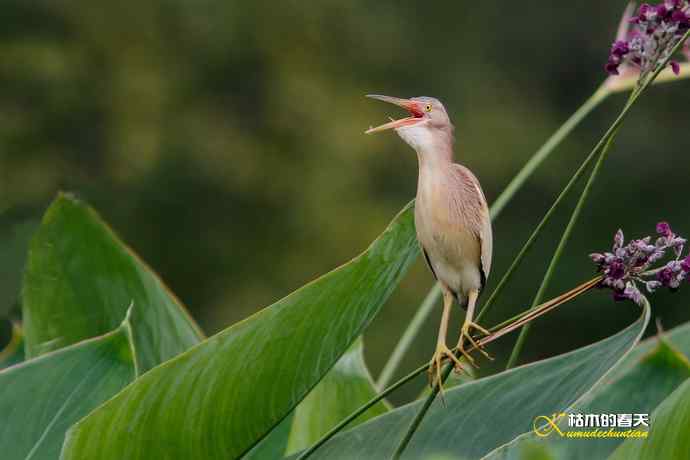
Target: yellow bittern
{"points": [[451, 217]]}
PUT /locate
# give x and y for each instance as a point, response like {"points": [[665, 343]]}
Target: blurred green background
{"points": [[224, 142]]}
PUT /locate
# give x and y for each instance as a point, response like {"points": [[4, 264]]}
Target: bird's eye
{"points": [[428, 108]]}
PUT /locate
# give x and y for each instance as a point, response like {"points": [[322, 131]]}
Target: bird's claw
{"points": [[465, 334], [442, 353]]}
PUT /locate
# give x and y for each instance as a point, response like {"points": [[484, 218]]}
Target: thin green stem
{"points": [[408, 336], [519, 344], [549, 147], [535, 234], [419, 416], [497, 207], [533, 237], [345, 422]]}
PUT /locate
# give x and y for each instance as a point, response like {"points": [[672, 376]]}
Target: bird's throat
{"points": [[435, 156]]}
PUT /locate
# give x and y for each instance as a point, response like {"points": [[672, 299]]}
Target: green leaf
{"points": [[79, 281], [654, 376], [344, 389], [50, 393], [533, 451], [13, 353], [668, 435], [678, 338], [220, 398], [481, 415], [274, 445]]}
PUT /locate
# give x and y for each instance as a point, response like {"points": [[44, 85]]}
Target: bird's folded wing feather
{"points": [[428, 261], [477, 215]]}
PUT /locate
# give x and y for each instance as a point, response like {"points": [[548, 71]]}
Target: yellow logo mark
{"points": [[551, 425]]}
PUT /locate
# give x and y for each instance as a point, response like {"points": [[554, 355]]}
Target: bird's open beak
{"points": [[416, 113]]}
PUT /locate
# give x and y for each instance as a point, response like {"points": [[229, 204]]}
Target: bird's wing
{"points": [[428, 261], [487, 243], [477, 217]]}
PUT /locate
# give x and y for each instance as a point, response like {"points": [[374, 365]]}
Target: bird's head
{"points": [[427, 124]]}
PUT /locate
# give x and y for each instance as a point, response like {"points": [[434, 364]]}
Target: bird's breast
{"points": [[452, 247], [444, 235]]}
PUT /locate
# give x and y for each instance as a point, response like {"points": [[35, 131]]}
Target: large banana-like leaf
{"points": [[79, 281], [41, 398], [677, 338], [274, 445], [481, 415], [668, 434], [344, 389], [644, 385], [220, 398]]}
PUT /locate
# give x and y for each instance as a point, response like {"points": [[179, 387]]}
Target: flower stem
{"points": [[519, 344], [497, 207], [604, 145], [545, 151], [533, 237]]}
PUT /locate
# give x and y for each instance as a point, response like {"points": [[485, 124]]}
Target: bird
{"points": [[451, 217]]}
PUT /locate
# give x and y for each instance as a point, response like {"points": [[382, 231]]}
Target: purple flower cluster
{"points": [[630, 265], [655, 32]]}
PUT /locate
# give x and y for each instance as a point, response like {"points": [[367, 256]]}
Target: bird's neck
{"points": [[436, 155]]}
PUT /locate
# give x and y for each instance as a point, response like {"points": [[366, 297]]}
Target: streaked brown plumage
{"points": [[451, 215]]}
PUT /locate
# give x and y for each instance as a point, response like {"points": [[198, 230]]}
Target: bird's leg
{"points": [[442, 350], [465, 330]]}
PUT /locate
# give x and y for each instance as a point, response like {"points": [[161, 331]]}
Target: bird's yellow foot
{"points": [[442, 352], [465, 334]]}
